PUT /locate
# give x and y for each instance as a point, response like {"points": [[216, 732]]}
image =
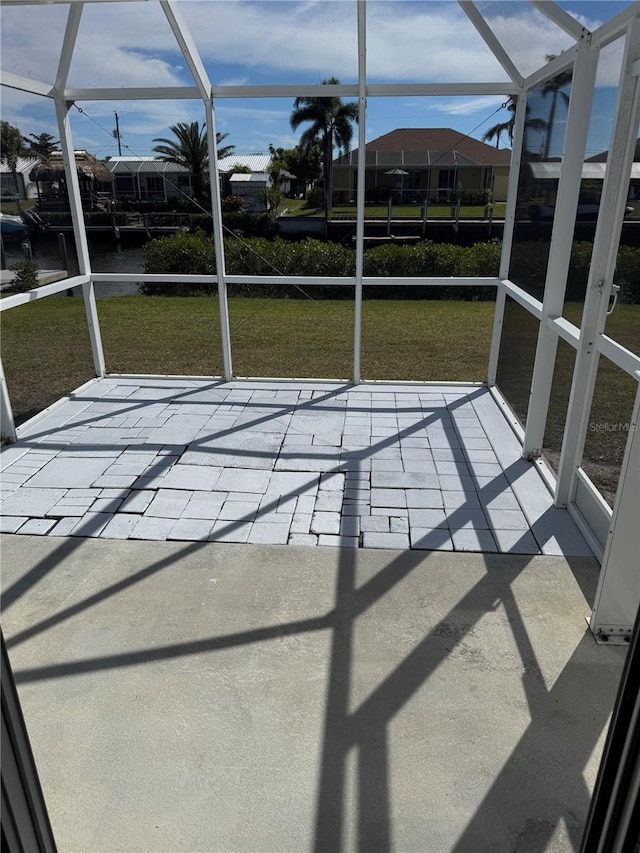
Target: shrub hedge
{"points": [[194, 253]]}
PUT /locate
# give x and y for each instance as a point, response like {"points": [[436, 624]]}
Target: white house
{"points": [[26, 187], [148, 178], [250, 186]]}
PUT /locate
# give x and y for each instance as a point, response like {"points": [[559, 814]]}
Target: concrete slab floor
{"points": [[247, 699]]}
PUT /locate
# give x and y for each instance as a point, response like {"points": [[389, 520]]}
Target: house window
{"points": [[446, 179], [155, 186]]}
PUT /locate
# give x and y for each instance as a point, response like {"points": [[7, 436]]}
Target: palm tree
{"points": [[226, 150], [497, 130], [507, 127], [11, 149], [331, 123], [189, 149], [554, 88]]}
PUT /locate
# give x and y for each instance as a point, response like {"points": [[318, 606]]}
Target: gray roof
{"points": [[249, 177], [255, 162], [137, 165], [23, 166]]}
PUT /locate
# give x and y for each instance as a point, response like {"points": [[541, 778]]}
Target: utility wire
{"points": [[270, 296], [197, 204]]}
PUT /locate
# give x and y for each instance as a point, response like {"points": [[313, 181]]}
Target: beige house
{"points": [[414, 164]]}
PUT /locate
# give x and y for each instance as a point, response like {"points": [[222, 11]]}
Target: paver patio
{"points": [[429, 467]]}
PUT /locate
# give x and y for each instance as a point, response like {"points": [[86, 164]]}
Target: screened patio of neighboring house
{"points": [[334, 447]]}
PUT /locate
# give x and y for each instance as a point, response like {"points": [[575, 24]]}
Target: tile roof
{"points": [[603, 155], [437, 140]]}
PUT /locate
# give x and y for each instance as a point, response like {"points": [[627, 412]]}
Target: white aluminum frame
{"points": [[561, 244], [589, 340]]}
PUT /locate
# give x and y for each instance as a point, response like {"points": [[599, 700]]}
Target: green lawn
{"points": [[613, 399], [46, 352], [11, 207]]}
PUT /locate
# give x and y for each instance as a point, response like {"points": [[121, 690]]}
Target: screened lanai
{"points": [[550, 349], [330, 592]]}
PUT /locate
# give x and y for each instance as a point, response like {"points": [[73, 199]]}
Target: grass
{"points": [[613, 398], [11, 207], [46, 352]]}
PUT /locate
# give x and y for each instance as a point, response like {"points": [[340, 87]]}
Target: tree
{"points": [[306, 165], [554, 88], [330, 121], [189, 149], [497, 130], [226, 150], [40, 145], [11, 149], [272, 197]]}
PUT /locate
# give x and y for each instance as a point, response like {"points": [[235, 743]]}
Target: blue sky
{"points": [[285, 42]]}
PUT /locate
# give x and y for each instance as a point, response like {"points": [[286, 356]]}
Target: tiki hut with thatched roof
{"points": [[94, 177]]}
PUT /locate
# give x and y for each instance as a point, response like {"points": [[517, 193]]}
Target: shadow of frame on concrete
{"points": [[541, 783]]}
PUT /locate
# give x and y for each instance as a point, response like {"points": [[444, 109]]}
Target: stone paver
{"points": [[272, 533], [31, 501], [204, 505], [388, 497], [11, 523], [191, 529], [230, 531], [37, 526], [152, 528], [386, 540], [245, 510], [120, 526], [329, 501], [168, 503], [74, 472], [375, 467], [338, 541], [243, 480], [303, 539], [325, 522], [470, 539], [431, 540], [192, 477]]}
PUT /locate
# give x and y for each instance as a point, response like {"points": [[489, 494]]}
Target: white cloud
{"points": [[244, 42], [467, 106]]}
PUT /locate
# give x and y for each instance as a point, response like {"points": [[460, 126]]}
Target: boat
{"points": [[12, 226]]}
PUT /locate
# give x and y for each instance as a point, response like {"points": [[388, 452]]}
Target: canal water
{"points": [[106, 255]]}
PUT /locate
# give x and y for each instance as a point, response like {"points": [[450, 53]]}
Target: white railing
{"points": [[8, 429]]}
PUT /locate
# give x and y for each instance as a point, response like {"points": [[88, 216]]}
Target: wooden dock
{"points": [[7, 277]]}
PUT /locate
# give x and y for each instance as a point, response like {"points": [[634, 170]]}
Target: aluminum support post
{"points": [[199, 73], [360, 186], [80, 234], [561, 244], [603, 264], [68, 45], [7, 423], [618, 593], [218, 239], [507, 238]]}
